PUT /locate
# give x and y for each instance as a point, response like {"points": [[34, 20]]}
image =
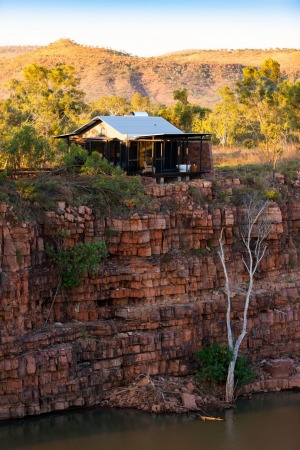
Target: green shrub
{"points": [[248, 143], [243, 373], [214, 362], [196, 195], [96, 165], [73, 262], [74, 159], [3, 176], [25, 188]]}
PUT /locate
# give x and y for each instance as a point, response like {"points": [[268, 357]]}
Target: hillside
{"points": [[108, 72]]}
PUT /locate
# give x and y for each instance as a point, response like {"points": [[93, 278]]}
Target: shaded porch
{"points": [[157, 156]]}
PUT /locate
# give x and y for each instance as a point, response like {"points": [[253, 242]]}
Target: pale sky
{"points": [[151, 28]]}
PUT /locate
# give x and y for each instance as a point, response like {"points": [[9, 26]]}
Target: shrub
{"points": [[243, 373], [75, 159], [273, 195], [73, 262], [214, 362], [249, 143], [25, 188], [96, 165], [196, 195]]}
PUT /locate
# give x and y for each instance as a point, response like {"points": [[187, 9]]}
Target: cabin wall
{"points": [[103, 130], [202, 159]]}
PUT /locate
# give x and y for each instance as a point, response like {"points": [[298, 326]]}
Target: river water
{"points": [[266, 422]]}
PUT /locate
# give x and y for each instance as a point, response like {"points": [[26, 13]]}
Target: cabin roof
{"points": [[132, 126]]}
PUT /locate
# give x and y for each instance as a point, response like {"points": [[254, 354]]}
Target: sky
{"points": [[152, 28]]}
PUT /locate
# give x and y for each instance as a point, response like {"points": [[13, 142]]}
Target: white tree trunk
{"points": [[229, 393], [254, 211]]}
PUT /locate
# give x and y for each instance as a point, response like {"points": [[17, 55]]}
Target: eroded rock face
{"points": [[158, 298], [279, 368]]}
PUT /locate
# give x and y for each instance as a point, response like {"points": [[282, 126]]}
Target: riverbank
{"points": [[182, 395]]}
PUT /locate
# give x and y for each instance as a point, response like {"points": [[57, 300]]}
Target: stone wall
{"points": [[158, 298], [201, 155]]}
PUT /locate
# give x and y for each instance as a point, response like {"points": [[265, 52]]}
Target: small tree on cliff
{"points": [[254, 229]]}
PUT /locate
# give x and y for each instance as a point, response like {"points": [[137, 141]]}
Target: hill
{"points": [[107, 72]]}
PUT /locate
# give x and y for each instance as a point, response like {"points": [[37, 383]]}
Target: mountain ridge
{"points": [[104, 71]]}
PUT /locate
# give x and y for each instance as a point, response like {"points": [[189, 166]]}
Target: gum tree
{"points": [[45, 102], [254, 227]]}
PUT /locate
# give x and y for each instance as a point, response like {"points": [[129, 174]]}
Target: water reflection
{"points": [[267, 422]]}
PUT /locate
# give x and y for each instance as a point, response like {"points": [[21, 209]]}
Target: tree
{"points": [[225, 121], [73, 262], [263, 108], [46, 101], [113, 105], [139, 103], [259, 90], [254, 229], [25, 149], [181, 96], [184, 114], [290, 110]]}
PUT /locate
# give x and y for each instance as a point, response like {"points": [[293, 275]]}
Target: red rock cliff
{"points": [[157, 299]]}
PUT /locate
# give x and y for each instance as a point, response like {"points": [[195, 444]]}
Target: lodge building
{"points": [[146, 145]]}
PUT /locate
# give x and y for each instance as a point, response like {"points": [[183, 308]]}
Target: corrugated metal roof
{"points": [[135, 126]]}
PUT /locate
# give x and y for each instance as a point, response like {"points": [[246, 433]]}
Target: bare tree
{"points": [[254, 229]]}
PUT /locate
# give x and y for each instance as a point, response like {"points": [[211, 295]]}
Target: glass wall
{"points": [[145, 154]]}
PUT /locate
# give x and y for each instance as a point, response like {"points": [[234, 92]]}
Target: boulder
{"points": [[279, 368], [188, 401]]}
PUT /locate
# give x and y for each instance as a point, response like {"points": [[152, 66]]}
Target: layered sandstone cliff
{"points": [[158, 298]]}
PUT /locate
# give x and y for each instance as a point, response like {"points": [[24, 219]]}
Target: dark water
{"points": [[267, 422]]}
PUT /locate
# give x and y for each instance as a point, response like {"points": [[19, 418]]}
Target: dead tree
{"points": [[254, 229]]}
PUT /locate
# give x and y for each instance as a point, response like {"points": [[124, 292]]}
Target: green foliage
{"points": [[45, 102], [290, 168], [292, 264], [75, 158], [24, 148], [113, 193], [196, 195], [243, 373], [108, 190], [110, 106], [139, 103], [226, 119], [239, 194], [75, 261], [96, 165], [264, 93], [185, 115], [200, 251], [181, 96], [248, 143], [25, 188], [214, 362], [3, 177]]}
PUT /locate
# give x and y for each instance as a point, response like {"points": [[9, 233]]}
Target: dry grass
{"points": [[238, 156]]}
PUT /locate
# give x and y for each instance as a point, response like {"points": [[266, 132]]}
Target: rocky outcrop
{"points": [[158, 298], [276, 375]]}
